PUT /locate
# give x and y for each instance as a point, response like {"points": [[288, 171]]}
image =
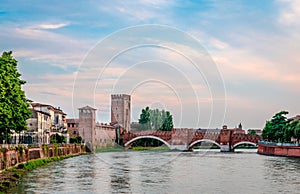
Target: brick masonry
{"points": [[13, 156], [293, 151]]}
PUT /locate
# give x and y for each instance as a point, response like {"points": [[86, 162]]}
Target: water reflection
{"points": [[153, 172], [84, 174], [279, 170], [119, 174]]}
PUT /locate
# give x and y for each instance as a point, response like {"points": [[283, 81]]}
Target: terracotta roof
{"points": [[34, 104], [57, 110]]}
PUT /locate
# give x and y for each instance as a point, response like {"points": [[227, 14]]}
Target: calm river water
{"points": [[166, 172]]}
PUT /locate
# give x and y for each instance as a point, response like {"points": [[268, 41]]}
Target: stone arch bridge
{"points": [[186, 139]]}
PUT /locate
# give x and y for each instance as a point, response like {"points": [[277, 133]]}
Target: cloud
{"points": [[40, 45], [148, 10], [290, 12], [50, 26]]}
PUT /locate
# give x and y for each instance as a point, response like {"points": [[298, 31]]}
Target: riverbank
{"points": [[278, 150], [17, 160], [9, 177], [159, 148]]}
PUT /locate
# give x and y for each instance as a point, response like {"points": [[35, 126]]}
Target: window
{"points": [[56, 119]]}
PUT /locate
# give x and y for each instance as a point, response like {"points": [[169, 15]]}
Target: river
{"points": [[165, 172]]}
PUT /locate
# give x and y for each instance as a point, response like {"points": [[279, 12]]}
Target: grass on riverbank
{"points": [[245, 147], [216, 147], [160, 148], [10, 176], [110, 149], [206, 147]]}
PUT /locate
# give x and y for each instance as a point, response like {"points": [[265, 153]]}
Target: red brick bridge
{"points": [[186, 139]]}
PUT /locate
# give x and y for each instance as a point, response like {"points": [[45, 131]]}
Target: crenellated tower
{"points": [[121, 110], [87, 122]]}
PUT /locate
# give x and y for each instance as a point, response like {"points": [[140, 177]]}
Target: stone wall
{"points": [[13, 155], [293, 151], [105, 136]]}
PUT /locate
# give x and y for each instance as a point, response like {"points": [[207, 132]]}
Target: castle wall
{"points": [[105, 136]]}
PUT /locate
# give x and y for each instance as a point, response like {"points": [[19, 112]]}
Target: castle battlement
{"points": [[120, 96]]}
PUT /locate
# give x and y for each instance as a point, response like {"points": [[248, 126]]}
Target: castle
{"points": [[97, 135], [120, 110]]}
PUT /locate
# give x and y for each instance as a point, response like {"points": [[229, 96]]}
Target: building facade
{"points": [[44, 121], [39, 125], [72, 127], [121, 110]]}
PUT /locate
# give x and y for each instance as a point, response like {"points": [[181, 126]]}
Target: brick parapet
{"points": [[13, 156]]}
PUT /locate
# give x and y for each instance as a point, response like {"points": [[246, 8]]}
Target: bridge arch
{"points": [[244, 142], [147, 136], [204, 140]]}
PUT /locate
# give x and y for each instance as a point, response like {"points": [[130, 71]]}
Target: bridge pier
{"points": [[226, 148], [179, 147]]}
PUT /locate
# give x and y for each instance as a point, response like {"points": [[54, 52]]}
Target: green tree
{"points": [[167, 121], [252, 132], [77, 139], [297, 131], [58, 139], [144, 120], [13, 104], [289, 130], [266, 133], [292, 129], [274, 129], [156, 120]]}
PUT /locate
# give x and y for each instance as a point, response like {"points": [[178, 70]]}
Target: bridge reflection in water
{"points": [[185, 139]]}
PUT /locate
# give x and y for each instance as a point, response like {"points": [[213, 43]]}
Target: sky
{"points": [[208, 62]]}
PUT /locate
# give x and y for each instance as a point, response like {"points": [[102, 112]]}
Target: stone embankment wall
{"points": [[293, 151], [14, 155]]}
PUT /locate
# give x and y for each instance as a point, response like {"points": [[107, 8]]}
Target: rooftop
{"points": [[87, 108]]}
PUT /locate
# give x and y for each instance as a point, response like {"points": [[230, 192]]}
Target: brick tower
{"points": [[120, 110], [87, 122]]}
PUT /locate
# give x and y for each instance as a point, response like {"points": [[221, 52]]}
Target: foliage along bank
{"points": [[13, 103], [280, 129]]}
